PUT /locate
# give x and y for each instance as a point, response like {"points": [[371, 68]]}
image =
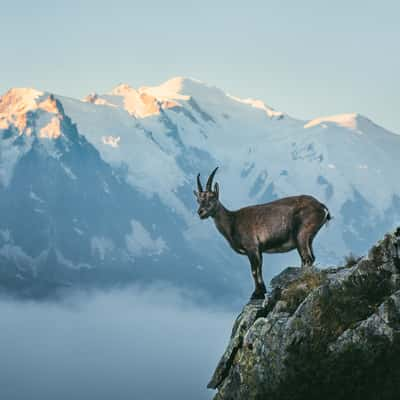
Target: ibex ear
{"points": [[196, 194], [216, 189]]}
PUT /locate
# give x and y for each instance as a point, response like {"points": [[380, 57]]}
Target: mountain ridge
{"points": [[183, 86], [155, 146]]}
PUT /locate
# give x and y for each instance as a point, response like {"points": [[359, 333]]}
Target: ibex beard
{"points": [[276, 227]]}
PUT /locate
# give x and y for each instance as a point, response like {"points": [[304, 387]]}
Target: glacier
{"points": [[98, 191]]}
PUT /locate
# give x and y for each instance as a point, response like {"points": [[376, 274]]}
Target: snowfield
{"points": [[131, 156]]}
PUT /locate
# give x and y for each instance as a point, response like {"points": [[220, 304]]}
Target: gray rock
{"points": [[251, 312], [330, 333]]}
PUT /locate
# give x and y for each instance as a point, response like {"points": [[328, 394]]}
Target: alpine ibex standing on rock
{"points": [[276, 227]]}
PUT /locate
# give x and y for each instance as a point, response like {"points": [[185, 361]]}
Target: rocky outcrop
{"points": [[331, 333]]}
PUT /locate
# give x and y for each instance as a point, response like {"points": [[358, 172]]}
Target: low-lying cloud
{"points": [[130, 344]]}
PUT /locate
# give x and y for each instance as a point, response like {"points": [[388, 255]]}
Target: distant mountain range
{"points": [[98, 192]]}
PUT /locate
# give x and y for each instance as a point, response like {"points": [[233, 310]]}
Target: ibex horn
{"points": [[210, 180], [199, 187]]}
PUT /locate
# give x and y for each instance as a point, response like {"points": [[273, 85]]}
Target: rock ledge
{"points": [[332, 333]]}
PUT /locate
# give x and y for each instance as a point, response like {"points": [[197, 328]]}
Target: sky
{"points": [[128, 344], [308, 58]]}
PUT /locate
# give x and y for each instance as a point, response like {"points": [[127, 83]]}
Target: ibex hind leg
{"points": [[260, 279], [304, 248]]}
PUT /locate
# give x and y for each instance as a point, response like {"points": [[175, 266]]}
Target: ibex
{"points": [[276, 227]]}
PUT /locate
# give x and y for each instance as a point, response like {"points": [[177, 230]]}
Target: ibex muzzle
{"points": [[276, 227]]}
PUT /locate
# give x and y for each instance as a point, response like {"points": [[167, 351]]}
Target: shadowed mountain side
{"points": [[69, 219], [99, 192]]}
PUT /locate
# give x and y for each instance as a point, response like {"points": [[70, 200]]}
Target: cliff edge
{"points": [[331, 334]]}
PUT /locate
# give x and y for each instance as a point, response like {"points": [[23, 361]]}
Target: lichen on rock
{"points": [[330, 333]]}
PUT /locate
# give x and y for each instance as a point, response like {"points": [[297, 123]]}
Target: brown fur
{"points": [[276, 227]]}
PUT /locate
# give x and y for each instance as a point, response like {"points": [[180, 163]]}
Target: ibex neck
{"points": [[223, 221]]}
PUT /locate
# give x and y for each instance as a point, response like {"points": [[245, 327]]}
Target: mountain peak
{"points": [[138, 103], [17, 102], [147, 100], [347, 120], [170, 88], [182, 88], [19, 99]]}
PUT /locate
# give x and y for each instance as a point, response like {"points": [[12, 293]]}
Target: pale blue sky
{"points": [[307, 58]]}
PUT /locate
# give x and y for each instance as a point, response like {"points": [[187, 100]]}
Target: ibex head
{"points": [[207, 199]]}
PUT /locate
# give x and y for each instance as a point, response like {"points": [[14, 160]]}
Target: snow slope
{"points": [[154, 140]]}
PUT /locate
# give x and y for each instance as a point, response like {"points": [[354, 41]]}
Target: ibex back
{"points": [[276, 227]]}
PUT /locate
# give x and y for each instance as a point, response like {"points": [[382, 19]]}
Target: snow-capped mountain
{"points": [[99, 190]]}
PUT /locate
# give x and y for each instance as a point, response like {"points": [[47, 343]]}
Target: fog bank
{"points": [[130, 344]]}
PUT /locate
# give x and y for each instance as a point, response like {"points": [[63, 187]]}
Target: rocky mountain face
{"points": [[99, 191], [330, 334], [69, 219]]}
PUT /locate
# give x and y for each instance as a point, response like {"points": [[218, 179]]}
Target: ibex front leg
{"points": [[255, 259]]}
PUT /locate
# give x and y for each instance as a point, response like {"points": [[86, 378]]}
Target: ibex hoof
{"points": [[308, 267]]}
